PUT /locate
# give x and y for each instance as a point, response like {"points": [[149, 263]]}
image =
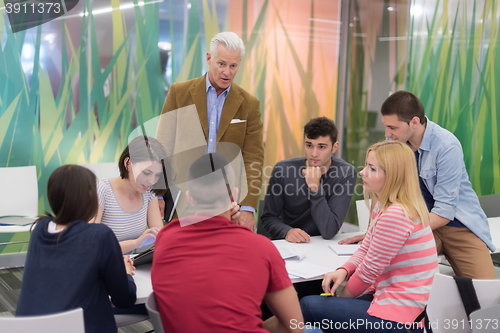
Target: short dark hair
{"points": [[72, 194], [142, 148], [405, 105], [210, 192], [321, 126]]}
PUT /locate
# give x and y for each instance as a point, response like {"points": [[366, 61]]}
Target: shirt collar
{"points": [[208, 85], [426, 140]]}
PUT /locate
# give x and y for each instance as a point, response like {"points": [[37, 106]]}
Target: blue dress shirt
{"points": [[214, 107], [442, 169]]}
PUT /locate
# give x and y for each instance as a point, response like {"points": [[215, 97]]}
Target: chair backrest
{"points": [[260, 227], [490, 204], [63, 322], [103, 170], [154, 314], [19, 191], [486, 320], [445, 308], [363, 215]]}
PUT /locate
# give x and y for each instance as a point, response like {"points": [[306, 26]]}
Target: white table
{"points": [[142, 278], [317, 252]]}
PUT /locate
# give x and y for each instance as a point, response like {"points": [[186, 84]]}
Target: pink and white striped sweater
{"points": [[398, 258]]}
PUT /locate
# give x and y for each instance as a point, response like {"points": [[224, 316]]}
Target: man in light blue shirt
{"points": [[459, 224]]}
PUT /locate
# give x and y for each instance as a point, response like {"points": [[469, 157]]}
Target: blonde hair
{"points": [[401, 185]]}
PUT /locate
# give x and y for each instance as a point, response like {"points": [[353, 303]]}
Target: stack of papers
{"points": [[305, 270], [344, 250], [290, 253]]}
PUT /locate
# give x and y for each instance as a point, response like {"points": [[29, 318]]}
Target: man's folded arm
{"points": [[329, 215]]}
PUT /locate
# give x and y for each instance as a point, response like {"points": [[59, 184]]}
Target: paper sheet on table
{"points": [[305, 270], [345, 249], [290, 253]]}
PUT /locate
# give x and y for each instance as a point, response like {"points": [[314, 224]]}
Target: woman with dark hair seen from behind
{"points": [[126, 203], [71, 263], [391, 274]]}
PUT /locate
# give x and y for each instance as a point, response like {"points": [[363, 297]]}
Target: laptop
{"points": [[171, 202]]}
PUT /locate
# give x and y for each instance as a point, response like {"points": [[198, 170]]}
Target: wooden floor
{"points": [[10, 286]]}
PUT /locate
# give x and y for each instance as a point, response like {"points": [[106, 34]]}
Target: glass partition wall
{"points": [[445, 52], [375, 52]]}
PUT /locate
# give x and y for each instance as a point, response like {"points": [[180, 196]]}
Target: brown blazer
{"points": [[247, 133]]}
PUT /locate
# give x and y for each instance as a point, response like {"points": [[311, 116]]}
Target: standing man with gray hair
{"points": [[227, 113]]}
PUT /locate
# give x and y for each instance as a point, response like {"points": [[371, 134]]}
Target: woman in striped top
{"points": [[126, 203], [394, 267]]}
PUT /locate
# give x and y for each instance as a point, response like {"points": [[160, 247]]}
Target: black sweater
{"points": [[79, 269]]}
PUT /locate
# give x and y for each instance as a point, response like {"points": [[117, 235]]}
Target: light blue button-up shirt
{"points": [[214, 107], [442, 168]]}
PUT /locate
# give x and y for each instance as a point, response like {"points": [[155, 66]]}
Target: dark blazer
{"points": [[246, 132]]}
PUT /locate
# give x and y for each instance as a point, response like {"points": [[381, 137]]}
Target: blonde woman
{"points": [[394, 267]]}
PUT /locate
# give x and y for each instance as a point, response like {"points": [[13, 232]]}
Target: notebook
{"points": [[344, 250], [171, 201], [289, 252]]}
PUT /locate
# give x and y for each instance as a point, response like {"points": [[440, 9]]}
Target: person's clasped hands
{"points": [[297, 235], [312, 175], [129, 265]]}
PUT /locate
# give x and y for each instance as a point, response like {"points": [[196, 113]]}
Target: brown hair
{"points": [[405, 105], [142, 148], [321, 126], [72, 194], [211, 179]]}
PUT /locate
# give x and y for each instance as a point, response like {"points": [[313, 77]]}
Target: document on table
{"points": [[344, 250], [289, 252], [305, 270]]}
